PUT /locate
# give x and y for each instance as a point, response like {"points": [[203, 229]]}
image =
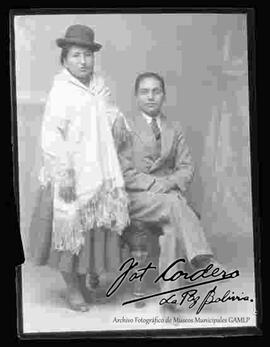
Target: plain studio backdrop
{"points": [[203, 58]]}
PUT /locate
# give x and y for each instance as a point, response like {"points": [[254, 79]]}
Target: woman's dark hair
{"points": [[64, 53], [144, 75]]}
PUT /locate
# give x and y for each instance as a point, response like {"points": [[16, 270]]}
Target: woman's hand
{"points": [[67, 193], [67, 190]]}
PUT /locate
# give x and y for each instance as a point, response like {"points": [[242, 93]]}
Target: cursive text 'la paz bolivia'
{"points": [[192, 298], [129, 271]]}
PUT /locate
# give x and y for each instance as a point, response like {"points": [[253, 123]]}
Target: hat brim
{"points": [[66, 42]]}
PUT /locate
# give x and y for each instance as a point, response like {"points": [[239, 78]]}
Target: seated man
{"points": [[158, 169]]}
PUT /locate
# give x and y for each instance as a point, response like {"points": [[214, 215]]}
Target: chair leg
{"points": [[139, 286]]}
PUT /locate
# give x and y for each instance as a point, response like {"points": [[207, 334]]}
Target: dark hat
{"points": [[79, 35]]}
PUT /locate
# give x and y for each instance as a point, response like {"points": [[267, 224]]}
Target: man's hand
{"points": [[162, 186]]}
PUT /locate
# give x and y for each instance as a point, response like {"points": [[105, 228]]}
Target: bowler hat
{"points": [[79, 35]]}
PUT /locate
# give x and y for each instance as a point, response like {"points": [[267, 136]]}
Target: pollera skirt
{"points": [[102, 254]]}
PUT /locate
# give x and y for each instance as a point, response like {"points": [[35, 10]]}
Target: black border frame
{"points": [[165, 333]]}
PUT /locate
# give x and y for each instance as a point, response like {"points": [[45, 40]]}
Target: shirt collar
{"points": [[149, 119]]}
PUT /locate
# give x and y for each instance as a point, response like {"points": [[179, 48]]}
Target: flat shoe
{"points": [[79, 307], [76, 303]]}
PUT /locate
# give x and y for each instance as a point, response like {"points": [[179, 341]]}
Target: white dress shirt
{"points": [[149, 120]]}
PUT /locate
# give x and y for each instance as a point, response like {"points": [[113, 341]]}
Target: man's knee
{"points": [[172, 203]]}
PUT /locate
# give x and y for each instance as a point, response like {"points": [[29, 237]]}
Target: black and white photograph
{"points": [[134, 172]]}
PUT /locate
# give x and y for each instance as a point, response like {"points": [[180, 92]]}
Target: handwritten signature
{"points": [[207, 275], [192, 297]]}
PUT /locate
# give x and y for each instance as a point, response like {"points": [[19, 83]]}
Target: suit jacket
{"points": [[136, 155]]}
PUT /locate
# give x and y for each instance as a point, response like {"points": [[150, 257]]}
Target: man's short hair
{"points": [[144, 75]]}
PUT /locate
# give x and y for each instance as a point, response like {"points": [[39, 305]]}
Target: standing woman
{"points": [[80, 163]]}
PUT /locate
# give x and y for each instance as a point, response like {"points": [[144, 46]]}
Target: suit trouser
{"points": [[181, 227]]}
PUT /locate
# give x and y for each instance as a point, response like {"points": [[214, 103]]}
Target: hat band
{"points": [[76, 41]]}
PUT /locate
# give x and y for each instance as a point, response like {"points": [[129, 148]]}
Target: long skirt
{"points": [[101, 254]]}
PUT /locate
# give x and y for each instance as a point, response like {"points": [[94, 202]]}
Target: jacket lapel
{"points": [[167, 135], [142, 129], [144, 132]]}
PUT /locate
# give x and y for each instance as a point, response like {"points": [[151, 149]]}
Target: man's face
{"points": [[150, 96], [80, 62]]}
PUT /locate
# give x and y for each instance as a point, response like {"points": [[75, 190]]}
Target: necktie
{"points": [[155, 128], [157, 134]]}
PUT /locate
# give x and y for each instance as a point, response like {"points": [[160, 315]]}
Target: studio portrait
{"points": [[134, 171]]}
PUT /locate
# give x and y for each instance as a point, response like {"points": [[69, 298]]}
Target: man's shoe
{"points": [[201, 262]]}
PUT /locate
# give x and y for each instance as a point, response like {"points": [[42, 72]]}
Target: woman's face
{"points": [[80, 62]]}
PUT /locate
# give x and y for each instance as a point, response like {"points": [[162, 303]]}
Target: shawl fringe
{"points": [[108, 209]]}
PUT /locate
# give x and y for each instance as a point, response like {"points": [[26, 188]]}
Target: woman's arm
{"points": [[134, 180]]}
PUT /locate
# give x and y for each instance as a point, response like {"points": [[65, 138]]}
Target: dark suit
{"points": [[141, 167]]}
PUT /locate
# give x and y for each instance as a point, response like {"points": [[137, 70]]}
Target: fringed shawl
{"points": [[77, 139]]}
